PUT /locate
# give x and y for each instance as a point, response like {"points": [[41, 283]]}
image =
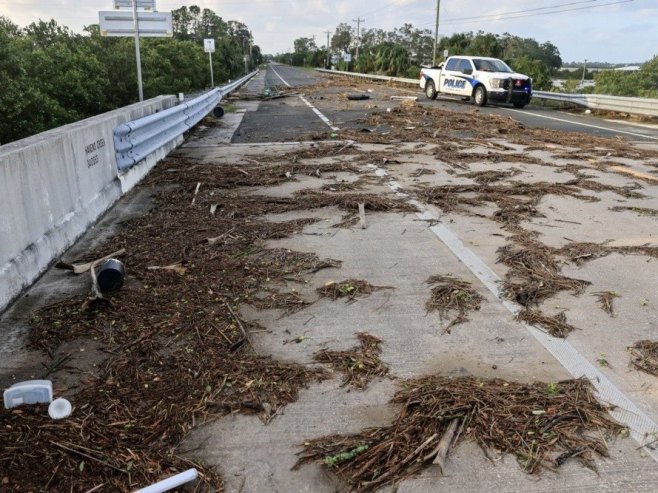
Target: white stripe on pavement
{"points": [[315, 110], [641, 426], [613, 130], [319, 113]]}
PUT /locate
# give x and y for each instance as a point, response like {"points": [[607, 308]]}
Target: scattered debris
{"points": [[360, 364], [543, 425], [362, 215], [556, 325], [171, 482], [358, 97], [451, 294], [110, 275], [642, 211], [645, 356], [350, 289], [28, 392], [605, 299], [534, 274], [486, 177], [82, 268]]}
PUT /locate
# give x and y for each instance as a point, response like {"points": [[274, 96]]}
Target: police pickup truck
{"points": [[480, 79]]}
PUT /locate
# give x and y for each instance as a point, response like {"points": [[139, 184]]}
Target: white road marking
{"points": [[277, 74], [315, 110], [319, 113], [634, 134], [641, 426]]}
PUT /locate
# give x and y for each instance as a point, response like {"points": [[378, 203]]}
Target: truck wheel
{"points": [[519, 105], [430, 92], [480, 96]]}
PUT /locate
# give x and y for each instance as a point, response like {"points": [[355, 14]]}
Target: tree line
{"points": [[400, 53], [51, 76]]}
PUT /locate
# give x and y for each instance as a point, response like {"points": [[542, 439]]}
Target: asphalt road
{"points": [[276, 116]]}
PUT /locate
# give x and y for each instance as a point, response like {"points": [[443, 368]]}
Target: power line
{"points": [[380, 9], [513, 15]]}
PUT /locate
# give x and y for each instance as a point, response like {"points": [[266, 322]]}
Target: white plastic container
{"points": [[60, 409], [28, 392]]}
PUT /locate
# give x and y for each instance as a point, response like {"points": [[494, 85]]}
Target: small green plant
{"points": [[603, 361], [552, 389], [332, 460], [346, 289]]}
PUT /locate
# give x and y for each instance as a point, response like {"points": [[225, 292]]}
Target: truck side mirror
{"points": [[467, 71]]}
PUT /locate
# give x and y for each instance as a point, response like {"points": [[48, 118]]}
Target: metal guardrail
{"points": [[635, 106], [135, 140]]}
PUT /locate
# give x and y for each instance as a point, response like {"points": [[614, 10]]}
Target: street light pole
{"points": [[137, 52], [436, 33]]}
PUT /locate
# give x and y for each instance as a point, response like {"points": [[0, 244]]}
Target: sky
{"points": [[614, 31]]}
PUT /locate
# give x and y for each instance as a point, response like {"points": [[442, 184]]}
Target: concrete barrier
{"points": [[56, 184]]}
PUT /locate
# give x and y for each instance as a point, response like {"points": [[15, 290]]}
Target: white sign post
{"points": [[209, 47], [125, 24]]}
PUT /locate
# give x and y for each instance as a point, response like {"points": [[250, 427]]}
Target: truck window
{"points": [[452, 64], [464, 64]]}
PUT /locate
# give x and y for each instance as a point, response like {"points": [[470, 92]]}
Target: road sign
{"points": [[209, 45], [347, 57], [128, 4], [119, 23]]}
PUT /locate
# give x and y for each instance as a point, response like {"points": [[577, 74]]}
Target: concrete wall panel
{"points": [[56, 184]]}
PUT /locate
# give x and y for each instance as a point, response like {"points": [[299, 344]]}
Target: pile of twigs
{"points": [[534, 273], [556, 325], [450, 294], [543, 425], [605, 300], [350, 289], [645, 356], [177, 350], [360, 364]]}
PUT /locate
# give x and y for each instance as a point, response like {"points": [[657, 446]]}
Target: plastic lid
{"points": [[60, 408]]}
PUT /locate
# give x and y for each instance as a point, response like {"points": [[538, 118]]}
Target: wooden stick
{"points": [[198, 185], [90, 457], [442, 448], [82, 268], [212, 241], [362, 215], [95, 289]]}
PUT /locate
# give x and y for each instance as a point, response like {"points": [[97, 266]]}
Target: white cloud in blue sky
{"points": [[604, 30]]}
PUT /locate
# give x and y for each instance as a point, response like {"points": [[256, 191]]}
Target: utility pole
{"points": [[138, 56], [436, 32], [358, 21], [328, 33], [582, 80]]}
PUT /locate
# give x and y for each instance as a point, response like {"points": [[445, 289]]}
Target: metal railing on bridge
{"points": [[135, 140], [634, 106]]}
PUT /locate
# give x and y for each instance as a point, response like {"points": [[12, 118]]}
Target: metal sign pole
{"points": [[212, 79], [137, 52]]}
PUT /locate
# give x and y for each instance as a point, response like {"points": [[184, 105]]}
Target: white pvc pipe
{"points": [[172, 482]]}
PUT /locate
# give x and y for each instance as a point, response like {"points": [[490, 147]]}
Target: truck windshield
{"points": [[491, 65]]}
